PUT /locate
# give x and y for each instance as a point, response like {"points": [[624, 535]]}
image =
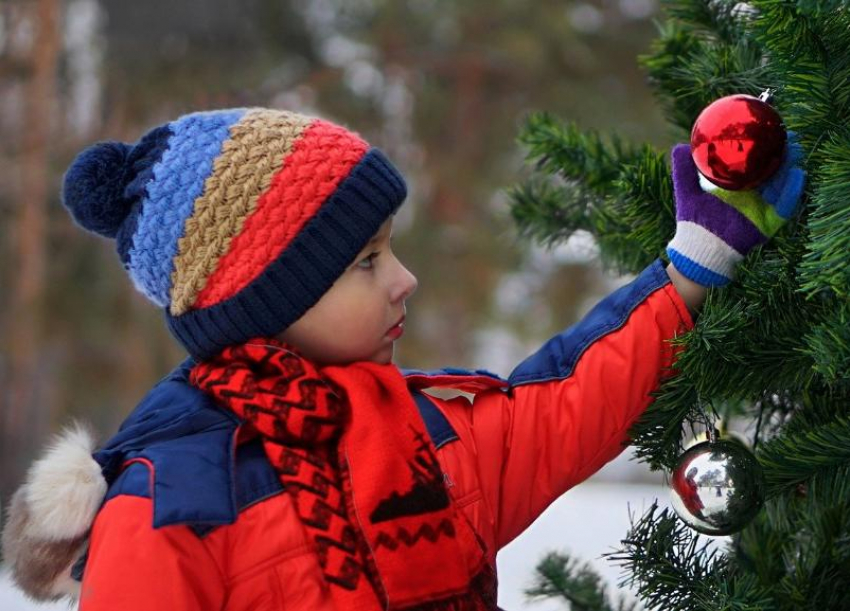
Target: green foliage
{"points": [[817, 7], [660, 429], [675, 570], [585, 157], [774, 347], [790, 460], [824, 266], [645, 203], [559, 576], [622, 195], [692, 64], [747, 345], [809, 56], [799, 545], [828, 344]]}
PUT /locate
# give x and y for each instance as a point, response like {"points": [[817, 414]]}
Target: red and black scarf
{"points": [[351, 449]]}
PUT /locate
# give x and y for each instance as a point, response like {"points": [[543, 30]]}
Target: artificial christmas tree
{"points": [[772, 350]]}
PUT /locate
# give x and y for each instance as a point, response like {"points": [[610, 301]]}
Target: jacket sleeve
{"points": [[133, 567], [570, 405]]}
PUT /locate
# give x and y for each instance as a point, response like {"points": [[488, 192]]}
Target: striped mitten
{"points": [[716, 228]]}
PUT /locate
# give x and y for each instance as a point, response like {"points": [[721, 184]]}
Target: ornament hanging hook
{"points": [[712, 434], [766, 96]]}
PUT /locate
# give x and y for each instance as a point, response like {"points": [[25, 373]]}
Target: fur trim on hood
{"points": [[50, 516]]}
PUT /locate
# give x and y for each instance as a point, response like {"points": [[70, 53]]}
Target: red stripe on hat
{"points": [[323, 156]]}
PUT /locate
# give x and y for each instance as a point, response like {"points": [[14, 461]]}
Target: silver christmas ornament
{"points": [[717, 487]]}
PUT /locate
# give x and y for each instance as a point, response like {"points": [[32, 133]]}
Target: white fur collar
{"points": [[51, 514]]}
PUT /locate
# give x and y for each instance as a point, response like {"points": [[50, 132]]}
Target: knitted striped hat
{"points": [[236, 221]]}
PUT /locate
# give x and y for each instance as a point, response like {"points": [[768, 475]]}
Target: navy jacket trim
{"points": [[438, 426], [558, 357], [135, 480], [450, 371]]}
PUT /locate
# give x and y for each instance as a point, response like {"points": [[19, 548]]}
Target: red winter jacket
{"points": [[185, 530]]}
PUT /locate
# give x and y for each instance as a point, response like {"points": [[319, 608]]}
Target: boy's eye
{"points": [[368, 262]]}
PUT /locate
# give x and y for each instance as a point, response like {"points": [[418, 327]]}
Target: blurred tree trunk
{"points": [[29, 231], [135, 367], [453, 203]]}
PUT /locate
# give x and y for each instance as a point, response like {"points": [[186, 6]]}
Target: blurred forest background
{"points": [[441, 86]]}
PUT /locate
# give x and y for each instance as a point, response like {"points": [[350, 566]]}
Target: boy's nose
{"points": [[405, 285]]}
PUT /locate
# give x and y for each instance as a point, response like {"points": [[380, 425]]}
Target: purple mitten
{"points": [[715, 231]]}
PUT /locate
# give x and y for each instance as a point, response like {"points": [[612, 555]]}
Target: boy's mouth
{"points": [[397, 329]]}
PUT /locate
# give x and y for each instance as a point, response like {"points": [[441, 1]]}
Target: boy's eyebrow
{"points": [[372, 242], [375, 238]]}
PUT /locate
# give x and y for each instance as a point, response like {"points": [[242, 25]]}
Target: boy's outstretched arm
{"points": [[570, 405], [692, 294]]}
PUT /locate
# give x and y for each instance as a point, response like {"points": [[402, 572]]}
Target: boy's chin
{"points": [[384, 355]]}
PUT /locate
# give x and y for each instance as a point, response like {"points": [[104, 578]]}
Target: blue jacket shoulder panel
{"points": [[189, 442], [183, 456], [255, 481], [556, 358]]}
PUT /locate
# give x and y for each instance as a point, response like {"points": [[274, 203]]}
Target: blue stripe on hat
{"points": [[178, 179], [144, 156]]}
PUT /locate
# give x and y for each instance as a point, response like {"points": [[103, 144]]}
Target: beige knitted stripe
{"points": [[258, 144]]}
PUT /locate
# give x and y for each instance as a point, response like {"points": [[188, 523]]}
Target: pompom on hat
{"points": [[236, 221]]}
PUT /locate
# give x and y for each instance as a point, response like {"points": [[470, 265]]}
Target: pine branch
{"points": [[549, 213], [817, 405], [750, 344], [646, 202], [691, 66], [759, 549], [560, 149], [824, 266], [818, 546], [777, 341], [793, 459], [643, 206], [657, 434], [828, 345], [751, 334], [675, 570], [559, 576], [668, 72], [808, 52], [720, 19], [799, 545], [622, 196], [820, 7]]}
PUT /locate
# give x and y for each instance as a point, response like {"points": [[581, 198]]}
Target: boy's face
{"points": [[358, 318]]}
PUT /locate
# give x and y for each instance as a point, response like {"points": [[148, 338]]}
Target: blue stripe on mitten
{"points": [[715, 230]]}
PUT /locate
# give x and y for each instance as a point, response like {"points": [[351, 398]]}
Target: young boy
{"points": [[288, 464]]}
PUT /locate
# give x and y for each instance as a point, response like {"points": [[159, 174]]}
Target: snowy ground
{"points": [[586, 522]]}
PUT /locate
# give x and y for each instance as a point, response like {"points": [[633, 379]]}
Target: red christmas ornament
{"points": [[738, 142]]}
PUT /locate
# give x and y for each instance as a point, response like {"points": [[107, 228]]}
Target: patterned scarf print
{"points": [[349, 446]]}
